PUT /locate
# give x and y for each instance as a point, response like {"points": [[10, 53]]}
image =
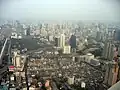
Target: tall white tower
{"points": [[62, 40]]}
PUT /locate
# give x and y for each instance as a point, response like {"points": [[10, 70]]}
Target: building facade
{"points": [[62, 40], [67, 49], [57, 41]]}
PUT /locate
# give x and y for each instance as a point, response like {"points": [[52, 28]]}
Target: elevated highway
{"points": [[3, 50], [2, 53]]}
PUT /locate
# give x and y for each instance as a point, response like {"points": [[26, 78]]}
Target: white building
{"points": [[25, 32], [89, 56], [17, 61], [15, 53], [83, 85], [50, 38], [14, 35], [67, 49], [71, 80], [62, 40]]}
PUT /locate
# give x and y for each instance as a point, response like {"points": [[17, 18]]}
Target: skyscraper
{"points": [[112, 44], [112, 67], [57, 41], [73, 43], [27, 31], [108, 52], [117, 34], [62, 40], [98, 36], [19, 27], [111, 73], [109, 46]]}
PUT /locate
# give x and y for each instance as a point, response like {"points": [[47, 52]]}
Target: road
{"points": [[2, 51], [4, 69], [6, 32]]}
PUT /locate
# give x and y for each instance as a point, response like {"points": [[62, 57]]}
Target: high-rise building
{"points": [[111, 51], [62, 40], [111, 73], [108, 52], [110, 46], [19, 26], [17, 61], [98, 33], [117, 34], [27, 31], [73, 41], [57, 41], [118, 50], [98, 36], [40, 26], [119, 71], [111, 33], [112, 70]]}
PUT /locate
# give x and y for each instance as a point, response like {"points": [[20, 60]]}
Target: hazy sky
{"points": [[61, 9]]}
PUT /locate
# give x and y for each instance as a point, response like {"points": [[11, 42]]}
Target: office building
{"points": [[27, 31], [73, 41], [50, 38], [19, 27], [62, 40], [118, 50], [67, 49], [17, 61], [117, 35], [57, 41], [98, 36], [108, 52], [111, 73]]}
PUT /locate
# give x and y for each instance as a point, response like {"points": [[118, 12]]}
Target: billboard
{"points": [[11, 68]]}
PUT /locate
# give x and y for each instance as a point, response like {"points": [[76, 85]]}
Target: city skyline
{"points": [[59, 44]]}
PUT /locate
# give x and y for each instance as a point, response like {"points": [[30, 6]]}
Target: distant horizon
{"points": [[32, 19], [37, 20]]}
